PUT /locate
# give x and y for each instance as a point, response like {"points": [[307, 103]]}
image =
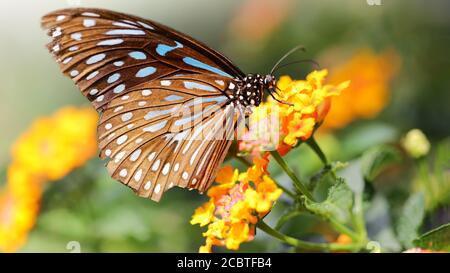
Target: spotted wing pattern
{"points": [[106, 53], [161, 135], [167, 114]]}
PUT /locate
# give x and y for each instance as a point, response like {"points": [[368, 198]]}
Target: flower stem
{"points": [[341, 228], [243, 160], [316, 148], [304, 244], [300, 186]]}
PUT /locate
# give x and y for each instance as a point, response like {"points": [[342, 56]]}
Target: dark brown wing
{"points": [[108, 53]]}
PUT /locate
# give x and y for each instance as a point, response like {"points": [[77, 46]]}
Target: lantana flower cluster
{"points": [[240, 200], [49, 150], [236, 205]]}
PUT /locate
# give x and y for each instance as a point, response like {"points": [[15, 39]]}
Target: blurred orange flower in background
{"points": [[50, 149], [256, 19], [370, 75]]}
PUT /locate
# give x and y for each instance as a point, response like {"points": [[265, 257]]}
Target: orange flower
{"points": [[256, 19], [368, 94], [308, 104], [235, 206]]}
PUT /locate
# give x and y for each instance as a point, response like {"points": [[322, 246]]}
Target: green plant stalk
{"points": [[316, 148], [300, 186], [304, 244], [358, 218], [343, 229]]}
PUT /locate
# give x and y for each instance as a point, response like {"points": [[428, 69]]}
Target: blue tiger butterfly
{"points": [[140, 75]]}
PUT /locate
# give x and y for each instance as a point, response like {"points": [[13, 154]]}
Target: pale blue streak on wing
{"points": [[199, 64], [218, 99], [162, 49], [125, 32], [173, 98], [196, 85]]}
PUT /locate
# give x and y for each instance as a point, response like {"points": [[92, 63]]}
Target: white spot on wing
{"points": [[90, 14], [121, 140], [145, 25], [127, 116], [89, 22], [157, 188], [123, 173], [76, 36], [146, 92], [92, 75], [135, 155], [185, 175], [151, 156], [138, 175], [166, 169], [118, 108], [166, 83], [156, 165], [93, 92], [74, 73]]}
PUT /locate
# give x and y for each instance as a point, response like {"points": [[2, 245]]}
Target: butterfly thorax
{"points": [[249, 90]]}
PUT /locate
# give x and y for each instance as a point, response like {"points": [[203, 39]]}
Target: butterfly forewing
{"points": [[107, 53], [168, 116]]}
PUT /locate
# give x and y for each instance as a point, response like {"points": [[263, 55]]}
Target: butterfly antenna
{"points": [[316, 64], [299, 47]]}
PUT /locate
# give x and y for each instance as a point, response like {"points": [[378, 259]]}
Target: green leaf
{"points": [[286, 217], [411, 219], [436, 239], [336, 206], [321, 181], [377, 159]]}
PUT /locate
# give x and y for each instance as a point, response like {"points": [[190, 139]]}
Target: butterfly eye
{"points": [[269, 81]]}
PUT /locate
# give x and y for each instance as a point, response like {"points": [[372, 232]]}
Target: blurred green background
{"points": [[105, 216]]}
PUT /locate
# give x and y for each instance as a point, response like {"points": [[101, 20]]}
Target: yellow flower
{"points": [[204, 214], [55, 145], [19, 204], [416, 143], [49, 150], [370, 74], [308, 102], [235, 206]]}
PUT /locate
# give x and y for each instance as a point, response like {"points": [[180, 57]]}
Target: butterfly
{"points": [[169, 105]]}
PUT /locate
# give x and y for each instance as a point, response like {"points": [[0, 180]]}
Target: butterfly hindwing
{"points": [[170, 132]]}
